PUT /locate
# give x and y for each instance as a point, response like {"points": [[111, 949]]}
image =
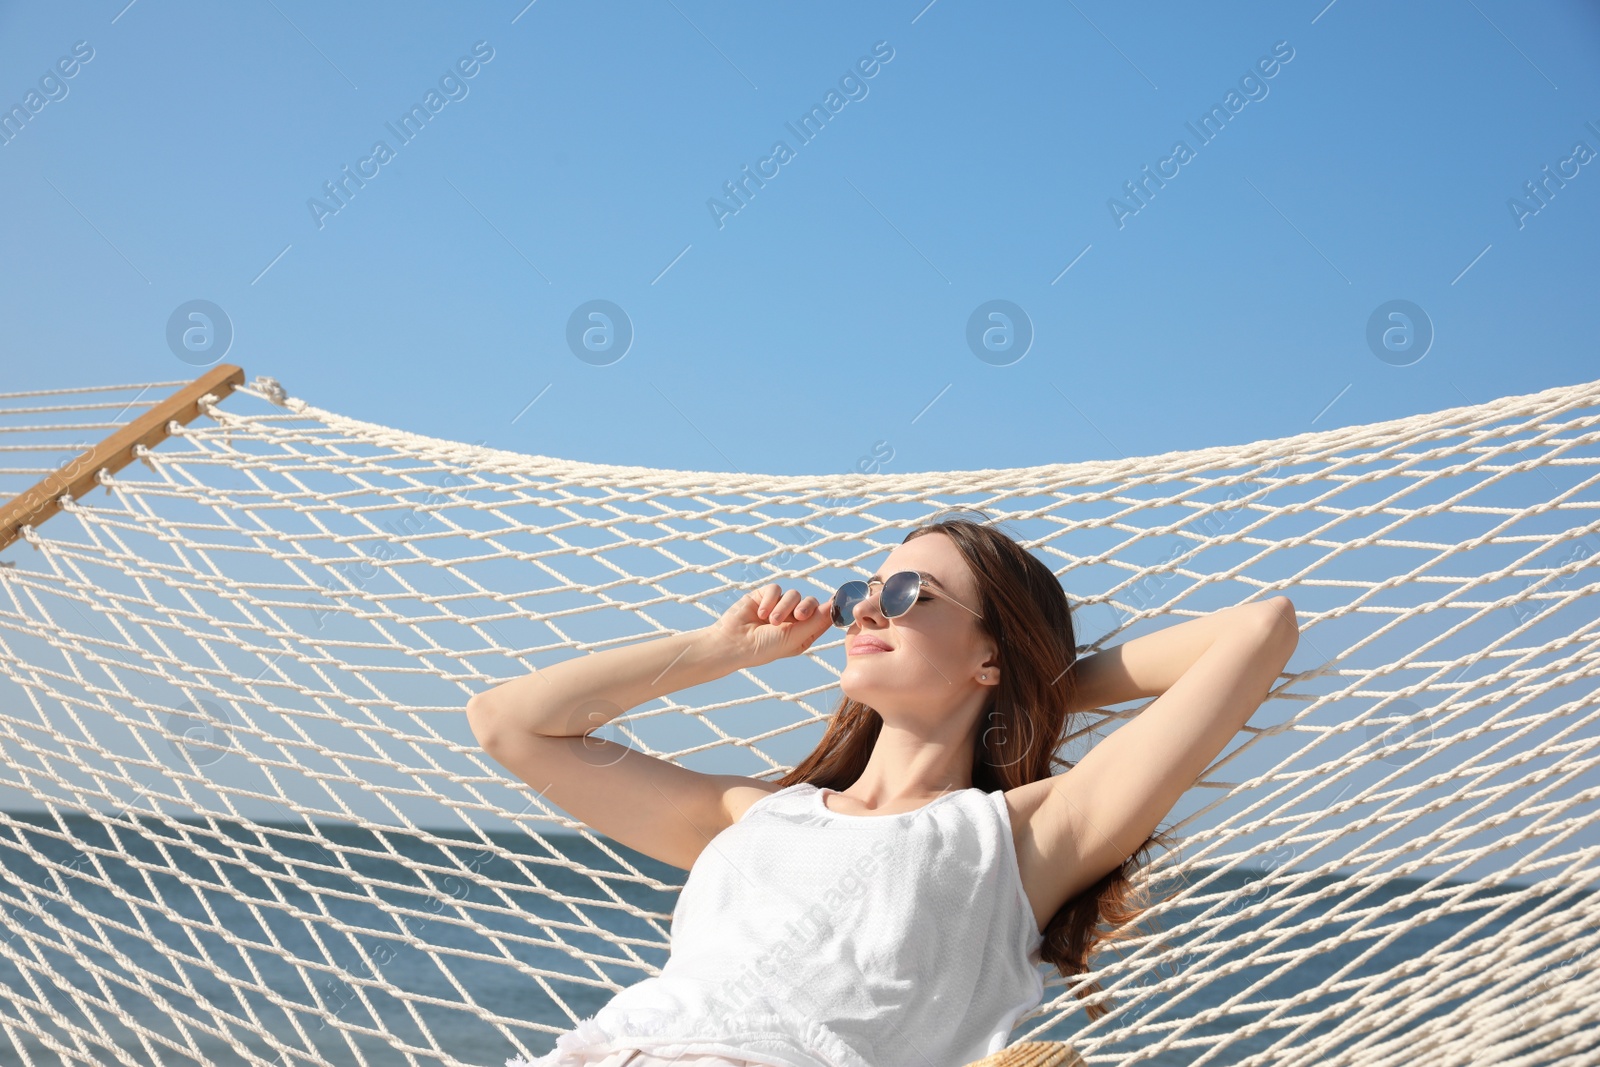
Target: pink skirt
{"points": [[628, 1057]]}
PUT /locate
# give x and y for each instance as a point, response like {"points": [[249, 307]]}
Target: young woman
{"points": [[888, 900]]}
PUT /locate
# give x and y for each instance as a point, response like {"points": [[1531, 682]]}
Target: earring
{"points": [[983, 677]]}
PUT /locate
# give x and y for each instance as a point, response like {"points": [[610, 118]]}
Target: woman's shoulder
{"points": [[739, 797]]}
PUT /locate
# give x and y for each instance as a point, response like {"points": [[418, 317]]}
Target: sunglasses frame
{"points": [[916, 592]]}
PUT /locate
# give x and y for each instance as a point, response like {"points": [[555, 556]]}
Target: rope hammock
{"points": [[245, 820]]}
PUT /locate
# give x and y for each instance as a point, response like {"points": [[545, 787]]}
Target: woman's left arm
{"points": [[1147, 666], [1208, 676]]}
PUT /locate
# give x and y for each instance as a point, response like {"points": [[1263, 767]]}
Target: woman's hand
{"points": [[769, 623]]}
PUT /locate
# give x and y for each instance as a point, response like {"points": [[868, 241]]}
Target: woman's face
{"points": [[935, 651]]}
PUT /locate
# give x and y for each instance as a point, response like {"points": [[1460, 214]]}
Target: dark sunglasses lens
{"points": [[844, 603], [900, 592]]}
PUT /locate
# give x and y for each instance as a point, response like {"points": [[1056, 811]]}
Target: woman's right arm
{"points": [[538, 726], [573, 697]]}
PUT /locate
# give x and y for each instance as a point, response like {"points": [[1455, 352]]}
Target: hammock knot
{"points": [[269, 388]]}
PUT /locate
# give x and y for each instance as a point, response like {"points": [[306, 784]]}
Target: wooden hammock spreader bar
{"points": [[1033, 1054], [115, 452]]}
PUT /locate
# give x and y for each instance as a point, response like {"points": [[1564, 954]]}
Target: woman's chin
{"points": [[853, 683]]}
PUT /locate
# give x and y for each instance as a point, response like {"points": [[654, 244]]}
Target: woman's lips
{"points": [[865, 646]]}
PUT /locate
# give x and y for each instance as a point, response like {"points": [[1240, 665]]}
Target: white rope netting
{"points": [[244, 819]]}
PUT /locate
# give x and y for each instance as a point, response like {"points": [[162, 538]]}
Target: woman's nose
{"points": [[869, 604]]}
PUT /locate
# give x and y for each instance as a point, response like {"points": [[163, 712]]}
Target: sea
{"points": [[216, 942]]}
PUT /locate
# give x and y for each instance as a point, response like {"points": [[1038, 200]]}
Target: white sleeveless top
{"points": [[805, 937]]}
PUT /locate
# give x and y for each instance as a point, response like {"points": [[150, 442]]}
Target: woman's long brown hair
{"points": [[1025, 612]]}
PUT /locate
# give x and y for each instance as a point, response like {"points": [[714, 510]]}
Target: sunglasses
{"points": [[900, 592]]}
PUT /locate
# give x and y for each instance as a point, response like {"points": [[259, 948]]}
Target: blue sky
{"points": [[945, 271], [1369, 154]]}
